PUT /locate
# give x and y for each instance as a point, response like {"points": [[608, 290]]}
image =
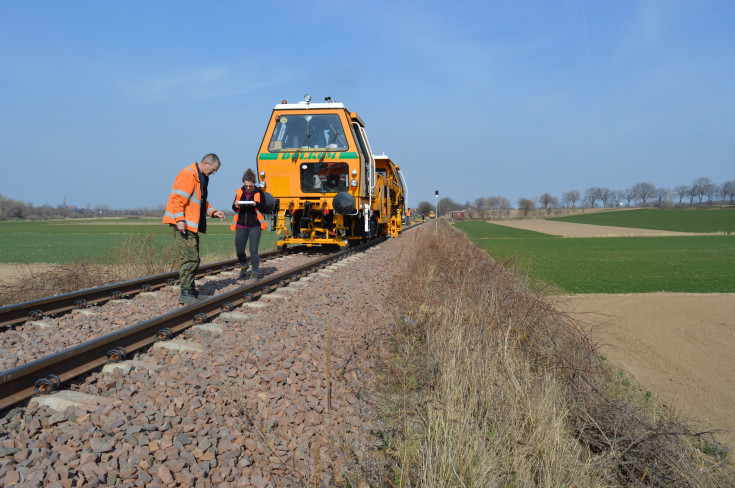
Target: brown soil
{"points": [[679, 346], [569, 229]]}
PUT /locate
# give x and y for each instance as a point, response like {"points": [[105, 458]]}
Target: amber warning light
{"points": [[284, 102]]}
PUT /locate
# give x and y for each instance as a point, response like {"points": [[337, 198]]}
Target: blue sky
{"points": [[104, 102]]}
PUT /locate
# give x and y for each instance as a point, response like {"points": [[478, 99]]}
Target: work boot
{"points": [[189, 297], [257, 275], [244, 274]]}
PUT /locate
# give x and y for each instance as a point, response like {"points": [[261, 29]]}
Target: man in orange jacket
{"points": [[186, 213]]}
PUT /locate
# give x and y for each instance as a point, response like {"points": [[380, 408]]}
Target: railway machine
{"points": [[329, 188]]}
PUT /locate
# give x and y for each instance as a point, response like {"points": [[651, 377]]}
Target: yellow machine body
{"points": [[329, 188]]}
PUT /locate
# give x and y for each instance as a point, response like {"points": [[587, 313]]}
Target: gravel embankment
{"points": [[250, 408]]}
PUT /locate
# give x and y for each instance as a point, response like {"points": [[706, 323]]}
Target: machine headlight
{"points": [[353, 183]]}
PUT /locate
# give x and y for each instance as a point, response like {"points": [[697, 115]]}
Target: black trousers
{"points": [[241, 238]]}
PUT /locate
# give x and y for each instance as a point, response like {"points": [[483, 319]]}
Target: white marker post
{"points": [[436, 212]]}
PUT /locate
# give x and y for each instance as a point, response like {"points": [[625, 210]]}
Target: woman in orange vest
{"points": [[248, 222]]}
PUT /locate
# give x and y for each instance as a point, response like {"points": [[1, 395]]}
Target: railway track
{"points": [[46, 374], [13, 315]]}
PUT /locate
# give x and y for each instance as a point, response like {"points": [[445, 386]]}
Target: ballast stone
{"points": [[179, 345], [233, 317], [208, 328], [40, 324], [61, 400], [127, 366]]}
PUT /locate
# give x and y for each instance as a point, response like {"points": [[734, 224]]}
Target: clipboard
{"points": [[245, 202]]}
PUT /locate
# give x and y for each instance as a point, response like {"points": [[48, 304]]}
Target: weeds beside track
{"points": [[490, 385]]}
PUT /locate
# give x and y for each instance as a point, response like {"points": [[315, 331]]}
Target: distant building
{"points": [[458, 215]]}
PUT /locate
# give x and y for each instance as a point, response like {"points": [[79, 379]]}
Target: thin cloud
{"points": [[202, 84]]}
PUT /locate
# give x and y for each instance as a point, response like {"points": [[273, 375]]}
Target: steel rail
{"points": [[19, 313], [18, 384]]}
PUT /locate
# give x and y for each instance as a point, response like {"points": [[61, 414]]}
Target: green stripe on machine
{"points": [[267, 156]]}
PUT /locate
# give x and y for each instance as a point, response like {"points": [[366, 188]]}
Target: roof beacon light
{"points": [[284, 102], [307, 98]]}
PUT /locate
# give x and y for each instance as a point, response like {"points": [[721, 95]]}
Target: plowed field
{"points": [[679, 346]]}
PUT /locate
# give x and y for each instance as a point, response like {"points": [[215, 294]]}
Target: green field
{"points": [[698, 264], [721, 220], [65, 241], [486, 230]]}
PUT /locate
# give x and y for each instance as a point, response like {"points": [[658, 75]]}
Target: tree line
{"points": [[16, 209], [702, 191]]}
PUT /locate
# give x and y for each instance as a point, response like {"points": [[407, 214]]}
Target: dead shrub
{"points": [[134, 257]]}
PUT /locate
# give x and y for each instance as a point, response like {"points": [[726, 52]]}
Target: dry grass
{"points": [[492, 386], [136, 256]]}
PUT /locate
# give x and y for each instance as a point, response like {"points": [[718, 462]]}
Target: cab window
{"points": [[323, 177], [308, 132]]}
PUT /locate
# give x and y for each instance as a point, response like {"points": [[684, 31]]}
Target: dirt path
{"points": [[569, 229], [680, 346]]}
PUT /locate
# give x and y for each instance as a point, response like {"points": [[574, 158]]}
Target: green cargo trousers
{"points": [[188, 247]]}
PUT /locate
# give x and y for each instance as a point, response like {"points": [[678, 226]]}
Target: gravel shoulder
{"points": [[283, 394]]}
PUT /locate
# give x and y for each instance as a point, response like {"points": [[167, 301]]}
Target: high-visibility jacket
{"points": [[185, 200], [256, 198], [408, 212]]}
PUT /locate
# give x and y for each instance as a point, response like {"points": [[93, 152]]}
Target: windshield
{"points": [[324, 177], [304, 132]]}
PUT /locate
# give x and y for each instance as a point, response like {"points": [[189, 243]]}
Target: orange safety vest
{"points": [[408, 212], [256, 198], [185, 200]]}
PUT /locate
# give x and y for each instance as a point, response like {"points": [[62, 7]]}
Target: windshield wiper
{"points": [[329, 142], [306, 144]]}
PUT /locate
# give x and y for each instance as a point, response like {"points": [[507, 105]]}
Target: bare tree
{"points": [[606, 195], [525, 205], [504, 206], [591, 195], [619, 196], [730, 188], [629, 194], [661, 195], [570, 198], [447, 205], [723, 192], [424, 208], [699, 187], [644, 192], [547, 201], [711, 189], [691, 195], [481, 205], [681, 191]]}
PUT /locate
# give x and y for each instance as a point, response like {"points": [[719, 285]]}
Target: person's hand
{"points": [[220, 214], [181, 225]]}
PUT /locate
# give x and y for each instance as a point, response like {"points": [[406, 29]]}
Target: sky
{"points": [[102, 103]]}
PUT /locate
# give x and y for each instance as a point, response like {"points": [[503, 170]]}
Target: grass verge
{"points": [[490, 385]]}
